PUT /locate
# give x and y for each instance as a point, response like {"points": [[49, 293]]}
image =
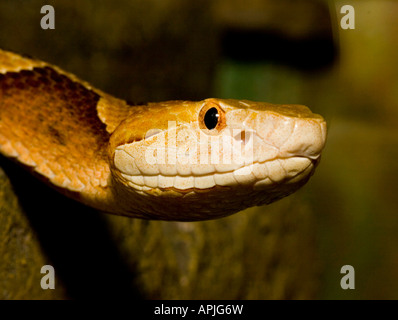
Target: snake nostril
{"points": [[242, 137]]}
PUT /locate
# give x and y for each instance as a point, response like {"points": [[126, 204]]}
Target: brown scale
{"points": [[57, 124]]}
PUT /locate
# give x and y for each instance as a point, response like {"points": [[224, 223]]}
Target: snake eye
{"points": [[211, 118]]}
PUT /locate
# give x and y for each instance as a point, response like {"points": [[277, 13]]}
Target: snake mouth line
{"points": [[258, 175]]}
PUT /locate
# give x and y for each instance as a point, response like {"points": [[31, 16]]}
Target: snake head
{"points": [[181, 160]]}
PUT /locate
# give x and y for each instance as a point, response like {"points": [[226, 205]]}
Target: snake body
{"points": [[173, 160]]}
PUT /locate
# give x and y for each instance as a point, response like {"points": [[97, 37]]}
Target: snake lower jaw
{"points": [[207, 203], [254, 175]]}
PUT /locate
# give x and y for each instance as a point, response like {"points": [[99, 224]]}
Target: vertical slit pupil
{"points": [[211, 118]]}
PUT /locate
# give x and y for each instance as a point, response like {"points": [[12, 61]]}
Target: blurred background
{"points": [[276, 51]]}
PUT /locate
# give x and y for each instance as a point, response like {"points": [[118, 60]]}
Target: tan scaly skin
{"points": [[174, 160]]}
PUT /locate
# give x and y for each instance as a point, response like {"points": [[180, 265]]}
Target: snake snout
{"points": [[307, 139]]}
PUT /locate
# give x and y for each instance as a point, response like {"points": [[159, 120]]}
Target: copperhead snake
{"points": [[173, 160]]}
